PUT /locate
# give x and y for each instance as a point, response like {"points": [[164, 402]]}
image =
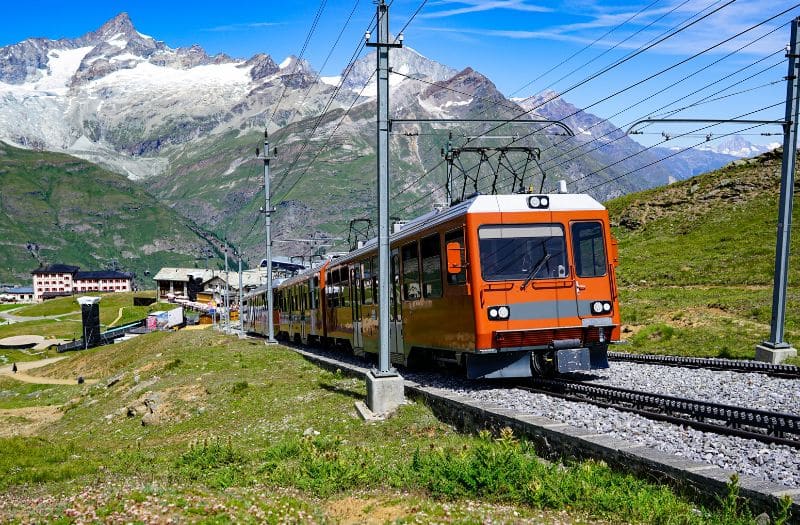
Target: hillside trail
{"points": [[23, 366], [22, 318]]}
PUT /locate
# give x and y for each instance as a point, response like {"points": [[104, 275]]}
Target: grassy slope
{"points": [[81, 214], [697, 260], [68, 323], [250, 434]]}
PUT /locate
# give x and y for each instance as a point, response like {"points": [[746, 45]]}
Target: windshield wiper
{"points": [[535, 270]]}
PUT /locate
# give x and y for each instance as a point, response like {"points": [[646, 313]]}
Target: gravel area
{"points": [[775, 463], [729, 388]]}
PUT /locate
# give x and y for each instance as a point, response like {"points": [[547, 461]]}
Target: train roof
{"points": [[482, 204]]}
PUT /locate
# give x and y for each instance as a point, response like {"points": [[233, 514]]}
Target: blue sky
{"points": [[513, 42]]}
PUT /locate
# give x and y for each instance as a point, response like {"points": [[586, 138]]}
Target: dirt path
{"points": [[27, 421], [22, 367]]}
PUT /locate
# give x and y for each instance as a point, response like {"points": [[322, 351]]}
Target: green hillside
{"points": [[81, 214], [697, 260]]}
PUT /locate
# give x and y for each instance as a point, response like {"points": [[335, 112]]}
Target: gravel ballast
{"points": [[767, 462]]}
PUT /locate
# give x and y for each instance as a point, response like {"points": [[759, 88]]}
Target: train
{"points": [[503, 286]]}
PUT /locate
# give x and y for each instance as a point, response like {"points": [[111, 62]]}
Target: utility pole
{"points": [[227, 301], [776, 349], [385, 389], [241, 299], [268, 238]]}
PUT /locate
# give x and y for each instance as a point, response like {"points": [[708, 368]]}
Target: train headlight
{"points": [[538, 202], [600, 307], [498, 313]]}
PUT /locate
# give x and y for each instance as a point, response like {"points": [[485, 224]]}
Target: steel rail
{"points": [[761, 425], [712, 363]]}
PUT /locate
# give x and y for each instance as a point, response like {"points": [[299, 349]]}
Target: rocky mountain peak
{"points": [[262, 66], [120, 24]]}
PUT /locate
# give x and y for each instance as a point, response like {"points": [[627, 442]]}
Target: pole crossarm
{"points": [[558, 123], [632, 131]]}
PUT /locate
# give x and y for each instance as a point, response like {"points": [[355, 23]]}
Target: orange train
{"points": [[503, 285]]}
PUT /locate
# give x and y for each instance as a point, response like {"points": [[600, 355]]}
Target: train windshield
{"points": [[513, 252]]}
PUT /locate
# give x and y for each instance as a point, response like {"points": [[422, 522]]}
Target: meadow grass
{"points": [[237, 419]]}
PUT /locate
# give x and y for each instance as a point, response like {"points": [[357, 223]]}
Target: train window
{"points": [[518, 252], [375, 277], [431, 253], [344, 287], [456, 236], [366, 282], [335, 288], [589, 249], [411, 285]]}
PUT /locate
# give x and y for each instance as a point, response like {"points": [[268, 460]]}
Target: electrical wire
{"points": [[325, 62], [584, 48], [311, 31], [621, 135], [669, 34]]}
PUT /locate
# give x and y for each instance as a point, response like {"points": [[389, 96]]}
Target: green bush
{"points": [[323, 465], [217, 464]]}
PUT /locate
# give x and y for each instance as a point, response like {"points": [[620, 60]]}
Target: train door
{"points": [[357, 293], [397, 354], [593, 284]]}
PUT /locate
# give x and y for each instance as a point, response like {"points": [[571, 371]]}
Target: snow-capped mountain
{"points": [[118, 97], [737, 146], [189, 123]]}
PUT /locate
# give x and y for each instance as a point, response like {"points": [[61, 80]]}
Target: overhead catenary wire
{"points": [[310, 33], [549, 163], [351, 64], [686, 78], [619, 62], [706, 99], [584, 48], [669, 34], [683, 61], [676, 136], [327, 58]]}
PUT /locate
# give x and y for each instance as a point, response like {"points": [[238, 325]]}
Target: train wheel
{"points": [[543, 364]]}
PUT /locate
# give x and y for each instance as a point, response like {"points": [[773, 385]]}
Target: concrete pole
{"points": [[383, 188], [776, 349], [268, 241]]}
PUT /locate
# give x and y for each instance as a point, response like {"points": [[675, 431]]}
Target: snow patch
{"points": [[149, 75], [124, 57], [331, 81], [451, 103], [61, 67], [118, 40], [285, 63]]}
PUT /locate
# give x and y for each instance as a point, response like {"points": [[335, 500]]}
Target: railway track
{"points": [[761, 425], [713, 363]]}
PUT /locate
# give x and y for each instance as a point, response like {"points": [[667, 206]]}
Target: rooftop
{"points": [[56, 268]]}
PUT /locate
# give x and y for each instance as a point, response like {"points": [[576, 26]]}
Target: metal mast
{"points": [[776, 349], [384, 384], [268, 240]]}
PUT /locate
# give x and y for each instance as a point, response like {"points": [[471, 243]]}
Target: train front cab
{"points": [[544, 293]]}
